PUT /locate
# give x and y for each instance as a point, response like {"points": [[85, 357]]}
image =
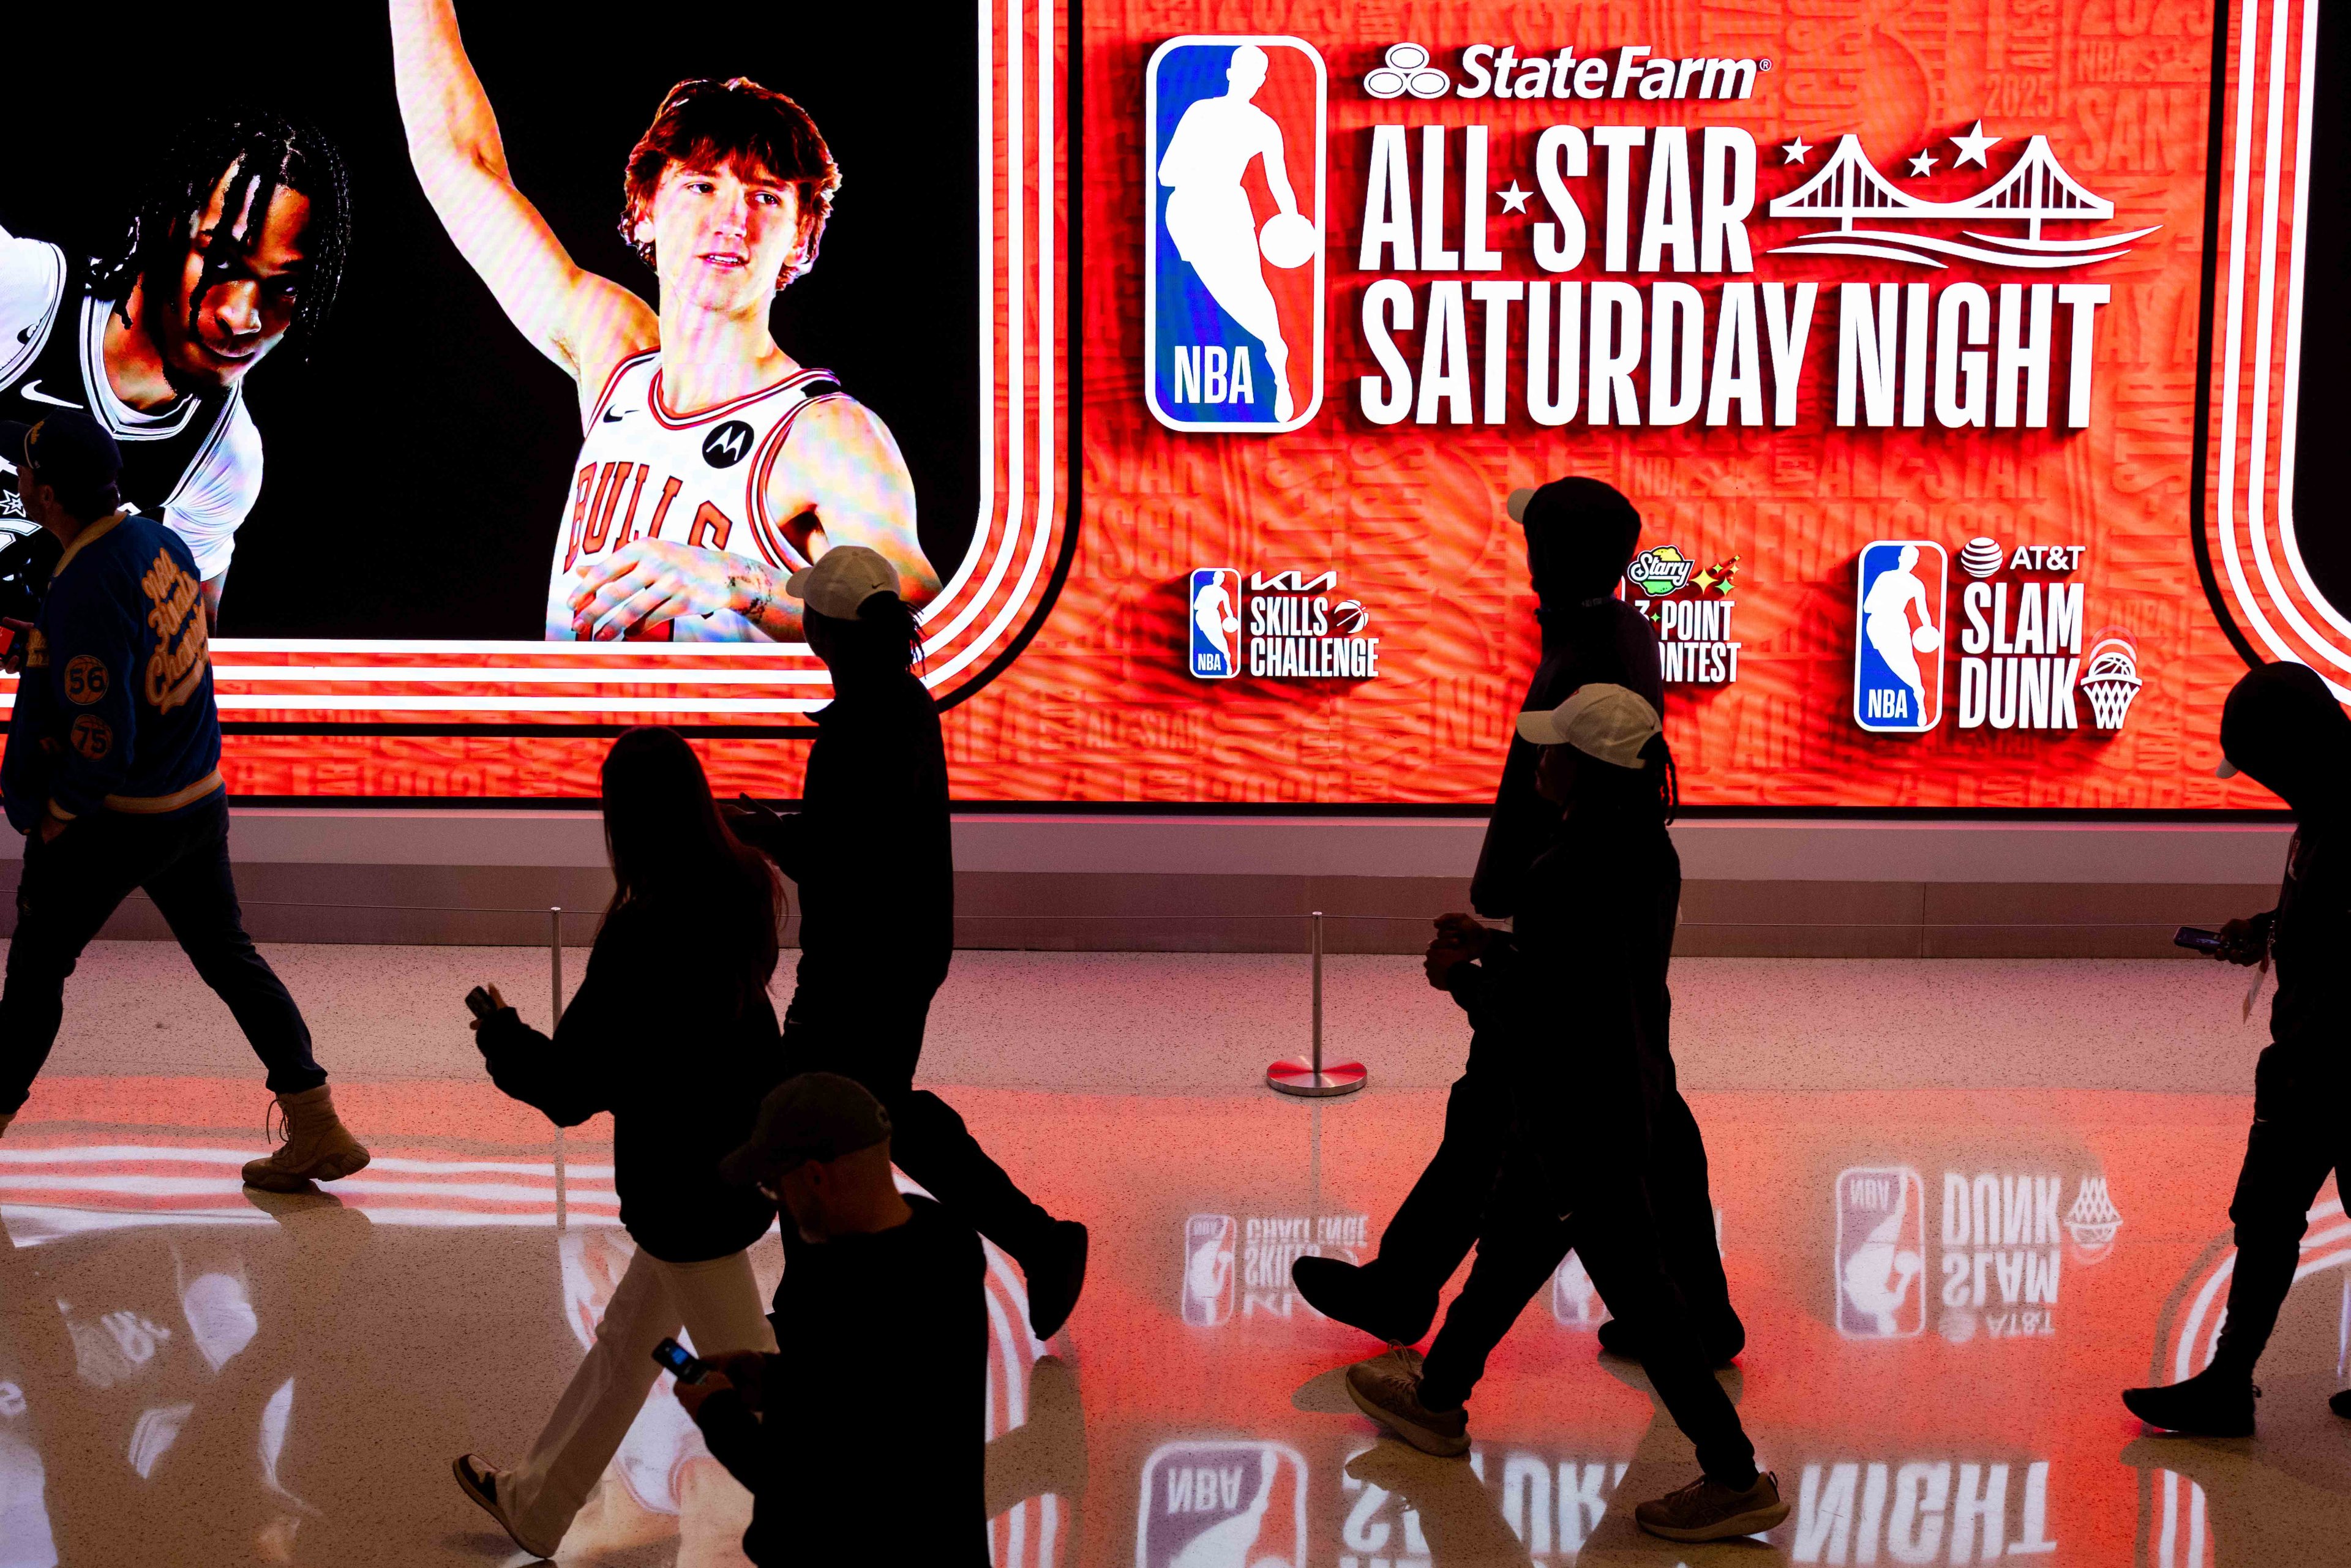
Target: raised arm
{"points": [[583, 322]]}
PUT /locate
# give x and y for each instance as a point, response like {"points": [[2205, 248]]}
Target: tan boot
{"points": [[318, 1146], [4, 1120]]}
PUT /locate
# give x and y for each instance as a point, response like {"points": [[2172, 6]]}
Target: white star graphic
{"points": [[1922, 165], [1972, 148], [1513, 199], [1793, 151]]}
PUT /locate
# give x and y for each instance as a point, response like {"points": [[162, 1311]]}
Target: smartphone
{"points": [[674, 1358], [2198, 938], [478, 1001]]}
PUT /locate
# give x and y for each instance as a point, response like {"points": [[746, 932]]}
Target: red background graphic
{"points": [[1097, 705]]}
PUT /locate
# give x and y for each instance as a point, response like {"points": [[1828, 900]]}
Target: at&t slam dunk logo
{"points": [[1232, 266]]}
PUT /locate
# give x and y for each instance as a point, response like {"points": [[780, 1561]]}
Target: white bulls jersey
{"points": [[701, 480]]}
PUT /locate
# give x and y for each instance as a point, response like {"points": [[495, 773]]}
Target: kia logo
{"points": [[727, 446]]}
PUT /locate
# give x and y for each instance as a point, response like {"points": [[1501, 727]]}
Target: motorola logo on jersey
{"points": [[1238, 1502], [1898, 657], [1232, 319], [728, 446], [1881, 1253]]}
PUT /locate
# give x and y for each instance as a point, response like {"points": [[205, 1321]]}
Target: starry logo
{"points": [[1658, 572]]}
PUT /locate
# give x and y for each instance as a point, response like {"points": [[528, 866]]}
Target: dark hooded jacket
{"points": [[2283, 727], [1580, 536]]}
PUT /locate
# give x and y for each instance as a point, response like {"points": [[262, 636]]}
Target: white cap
{"points": [[1515, 504], [844, 579], [2227, 769], [1599, 720]]}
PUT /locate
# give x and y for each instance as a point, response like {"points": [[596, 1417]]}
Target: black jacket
{"points": [[1607, 640], [877, 1454], [1577, 993], [870, 851], [650, 1037]]}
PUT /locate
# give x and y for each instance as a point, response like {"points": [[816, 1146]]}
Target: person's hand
{"points": [[2241, 943], [746, 1372], [1442, 959], [51, 826], [650, 581], [751, 821], [691, 1394], [1466, 931], [476, 1024]]}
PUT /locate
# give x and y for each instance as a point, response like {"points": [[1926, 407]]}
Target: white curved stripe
{"points": [[539, 675], [2054, 246], [986, 139], [1886, 252], [1806, 245]]}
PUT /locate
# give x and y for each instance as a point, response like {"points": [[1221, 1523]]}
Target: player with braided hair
{"points": [[712, 464], [237, 244]]}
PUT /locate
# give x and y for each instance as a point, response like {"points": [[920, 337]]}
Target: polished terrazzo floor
{"points": [[1961, 1205]]}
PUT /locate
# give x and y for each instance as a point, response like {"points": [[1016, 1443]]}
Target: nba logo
{"points": [[1881, 1253], [1209, 1269], [1232, 266], [1242, 1503], [1898, 658], [1214, 609]]}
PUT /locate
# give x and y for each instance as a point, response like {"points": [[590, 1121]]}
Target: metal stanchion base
{"points": [[1296, 1075]]}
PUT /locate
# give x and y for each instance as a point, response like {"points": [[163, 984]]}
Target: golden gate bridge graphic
{"points": [[2036, 190]]}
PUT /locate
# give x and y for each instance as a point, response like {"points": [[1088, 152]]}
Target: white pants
{"points": [[716, 1303]]}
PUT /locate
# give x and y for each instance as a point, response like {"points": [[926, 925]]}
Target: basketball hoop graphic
{"points": [[2110, 679], [2038, 190]]}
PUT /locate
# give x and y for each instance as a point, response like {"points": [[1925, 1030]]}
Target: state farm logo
{"points": [[1405, 69], [1503, 70]]}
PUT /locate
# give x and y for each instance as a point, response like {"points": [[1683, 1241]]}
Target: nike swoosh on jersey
{"points": [[614, 416], [33, 389]]}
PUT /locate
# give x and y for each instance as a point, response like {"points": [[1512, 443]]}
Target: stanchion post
{"points": [[1311, 1077], [555, 1016]]}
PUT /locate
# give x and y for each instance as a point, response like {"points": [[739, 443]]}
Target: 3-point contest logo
{"points": [[1234, 1501], [1234, 130], [1897, 661]]}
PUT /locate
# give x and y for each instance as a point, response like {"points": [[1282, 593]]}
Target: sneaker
{"points": [[1057, 1275], [2210, 1405], [1387, 1389], [1709, 1510], [318, 1146], [480, 1481], [1617, 1338], [1351, 1293]]}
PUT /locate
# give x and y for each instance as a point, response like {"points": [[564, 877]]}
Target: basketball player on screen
{"points": [[237, 246], [713, 464]]}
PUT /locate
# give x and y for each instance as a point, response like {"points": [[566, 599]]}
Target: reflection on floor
{"points": [[1944, 1289]]}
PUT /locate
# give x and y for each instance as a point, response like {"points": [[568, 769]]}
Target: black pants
{"points": [[1611, 1229], [1440, 1217], [2297, 1138], [871, 1029], [71, 884]]}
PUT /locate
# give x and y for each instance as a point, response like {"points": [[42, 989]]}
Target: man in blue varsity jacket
{"points": [[112, 774]]}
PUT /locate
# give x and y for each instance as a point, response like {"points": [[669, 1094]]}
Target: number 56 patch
{"points": [[91, 737], [86, 679]]}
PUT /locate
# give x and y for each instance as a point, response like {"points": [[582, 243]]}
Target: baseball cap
{"points": [[843, 580], [70, 449], [813, 1116], [1600, 720]]}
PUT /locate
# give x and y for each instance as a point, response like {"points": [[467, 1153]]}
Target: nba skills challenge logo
{"points": [[1232, 319], [1897, 662]]}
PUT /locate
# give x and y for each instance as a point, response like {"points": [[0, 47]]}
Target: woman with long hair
{"points": [[872, 855], [671, 1032]]}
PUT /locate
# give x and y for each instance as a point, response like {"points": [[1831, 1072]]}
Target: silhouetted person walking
{"points": [[865, 1443], [1565, 1001], [2281, 727], [1581, 535], [872, 855], [671, 1032]]}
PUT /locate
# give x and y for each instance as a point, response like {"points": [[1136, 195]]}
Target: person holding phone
{"points": [[871, 851], [889, 1285], [2283, 727], [671, 1032]]}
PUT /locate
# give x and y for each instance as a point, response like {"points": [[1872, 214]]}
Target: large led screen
{"points": [[1183, 364]]}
